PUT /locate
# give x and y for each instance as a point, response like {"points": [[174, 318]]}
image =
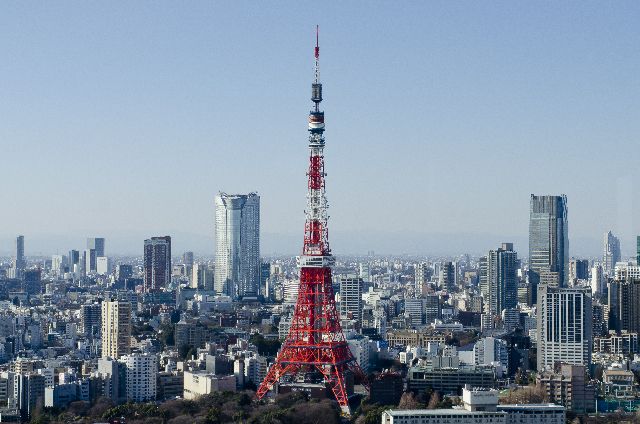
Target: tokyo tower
{"points": [[315, 342]]}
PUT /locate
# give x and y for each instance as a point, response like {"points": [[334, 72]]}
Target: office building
{"points": [[157, 263], [103, 265], [578, 270], [28, 392], [423, 273], [187, 261], [57, 264], [202, 277], [549, 413], [387, 389], [199, 383], [123, 271], [450, 376], [490, 350], [431, 308], [365, 272], [237, 271], [480, 406], [91, 317], [564, 326], [113, 375], [569, 388], [598, 281], [116, 328], [500, 289], [624, 298], [32, 281], [638, 250], [187, 258], [19, 262], [142, 369], [548, 241], [74, 261], [89, 261], [611, 253], [447, 276], [351, 297], [97, 244]]}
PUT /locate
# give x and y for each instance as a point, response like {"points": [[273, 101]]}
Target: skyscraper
{"points": [[611, 253], [74, 259], [187, 260], [237, 271], [624, 298], [157, 263], [564, 326], [423, 274], [501, 288], [97, 244], [89, 261], [116, 328], [548, 241], [351, 297], [19, 262], [447, 276], [578, 270]]}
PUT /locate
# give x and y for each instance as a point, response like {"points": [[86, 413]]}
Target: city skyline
{"points": [[452, 314], [472, 76]]}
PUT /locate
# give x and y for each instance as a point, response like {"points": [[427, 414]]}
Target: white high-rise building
{"points": [[489, 350], [290, 291], [351, 297], [365, 272], [423, 274], [56, 264], [611, 254], [564, 326], [142, 370], [103, 265], [237, 271], [116, 328]]}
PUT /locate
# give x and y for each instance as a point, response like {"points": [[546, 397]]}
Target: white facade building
{"points": [[237, 272], [142, 370], [201, 383], [103, 265], [480, 407], [488, 350], [351, 298], [564, 326]]}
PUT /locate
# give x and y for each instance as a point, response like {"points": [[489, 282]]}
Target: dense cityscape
{"points": [[517, 335]]}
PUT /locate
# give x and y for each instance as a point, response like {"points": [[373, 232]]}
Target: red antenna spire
{"points": [[317, 43]]}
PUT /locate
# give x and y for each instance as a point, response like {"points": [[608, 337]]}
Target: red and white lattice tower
{"points": [[315, 342]]}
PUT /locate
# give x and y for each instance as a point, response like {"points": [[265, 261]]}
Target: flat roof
{"points": [[399, 412], [541, 406]]}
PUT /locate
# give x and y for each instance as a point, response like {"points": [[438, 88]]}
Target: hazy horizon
{"points": [[124, 120]]}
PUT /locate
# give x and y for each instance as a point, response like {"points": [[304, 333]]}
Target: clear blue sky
{"points": [[124, 119]]}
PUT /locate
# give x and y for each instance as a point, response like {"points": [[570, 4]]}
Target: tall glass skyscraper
{"points": [[157, 263], [611, 253], [548, 241], [500, 289], [19, 262], [237, 271], [97, 244]]}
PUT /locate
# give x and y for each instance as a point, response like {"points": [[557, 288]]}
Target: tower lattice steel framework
{"points": [[315, 341]]}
